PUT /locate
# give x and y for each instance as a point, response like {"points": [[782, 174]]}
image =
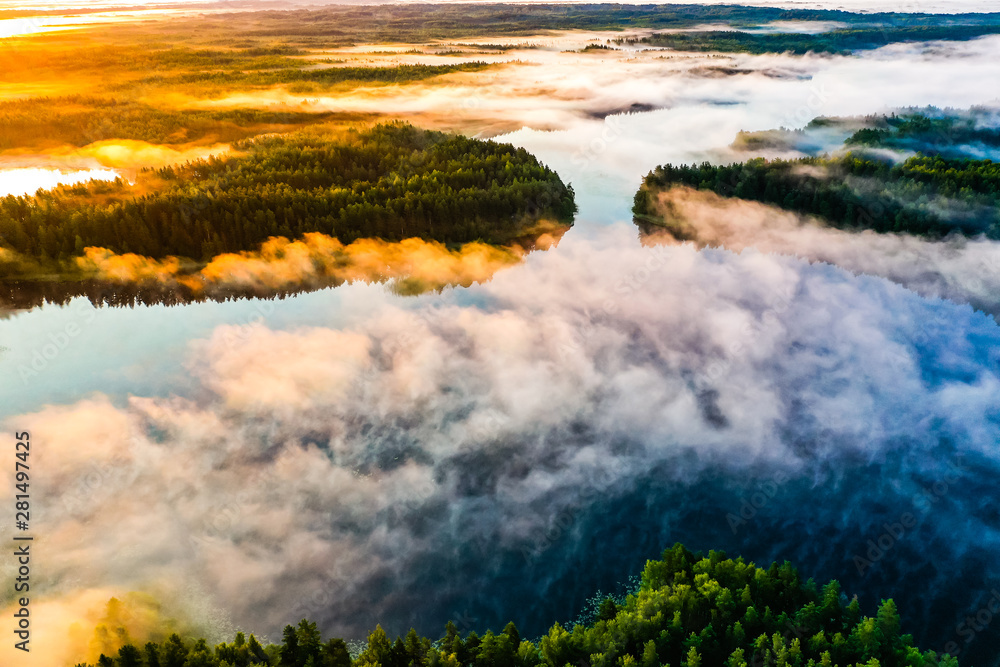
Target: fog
{"points": [[962, 270], [459, 459]]}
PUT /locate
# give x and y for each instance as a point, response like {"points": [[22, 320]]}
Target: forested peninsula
{"points": [[922, 173], [390, 182], [925, 195]]}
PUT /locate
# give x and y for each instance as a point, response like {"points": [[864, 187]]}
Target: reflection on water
{"points": [[24, 181], [18, 295], [279, 268]]}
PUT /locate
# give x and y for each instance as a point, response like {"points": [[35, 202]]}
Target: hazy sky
{"points": [[851, 5]]}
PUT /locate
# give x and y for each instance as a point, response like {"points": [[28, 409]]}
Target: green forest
{"points": [[81, 119], [688, 611], [78, 120], [300, 78], [835, 41], [925, 195], [393, 181], [944, 134]]}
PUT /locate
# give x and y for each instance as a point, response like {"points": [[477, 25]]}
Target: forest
{"points": [[153, 77], [410, 23], [842, 41], [689, 610], [952, 133], [392, 182], [79, 120], [330, 75], [929, 196], [949, 134], [134, 70]]}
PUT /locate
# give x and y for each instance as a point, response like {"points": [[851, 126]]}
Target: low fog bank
{"points": [[27, 180], [502, 461], [703, 102], [959, 133], [960, 269]]}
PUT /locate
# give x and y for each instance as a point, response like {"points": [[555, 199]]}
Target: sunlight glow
{"points": [[27, 181]]}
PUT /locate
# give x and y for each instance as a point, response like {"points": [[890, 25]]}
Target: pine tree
{"points": [[515, 637], [888, 622], [649, 657], [379, 649], [174, 652], [607, 610], [413, 648], [335, 654], [129, 656], [308, 638], [450, 635], [289, 647], [152, 654]]}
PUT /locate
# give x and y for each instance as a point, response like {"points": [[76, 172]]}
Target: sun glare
{"points": [[26, 181]]}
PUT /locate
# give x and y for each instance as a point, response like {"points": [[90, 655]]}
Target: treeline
{"points": [[952, 133], [417, 23], [142, 58], [28, 294], [131, 69], [835, 41], [326, 76], [948, 134], [391, 182], [930, 196], [79, 120], [688, 611]]}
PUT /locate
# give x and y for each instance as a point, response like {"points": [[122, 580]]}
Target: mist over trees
{"points": [[834, 41], [79, 120], [927, 195], [418, 22], [952, 134], [688, 611]]}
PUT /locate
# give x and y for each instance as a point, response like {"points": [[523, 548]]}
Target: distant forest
{"points": [[950, 134], [392, 182], [301, 78], [217, 55], [842, 41], [79, 120], [415, 23], [688, 611], [926, 195]]}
